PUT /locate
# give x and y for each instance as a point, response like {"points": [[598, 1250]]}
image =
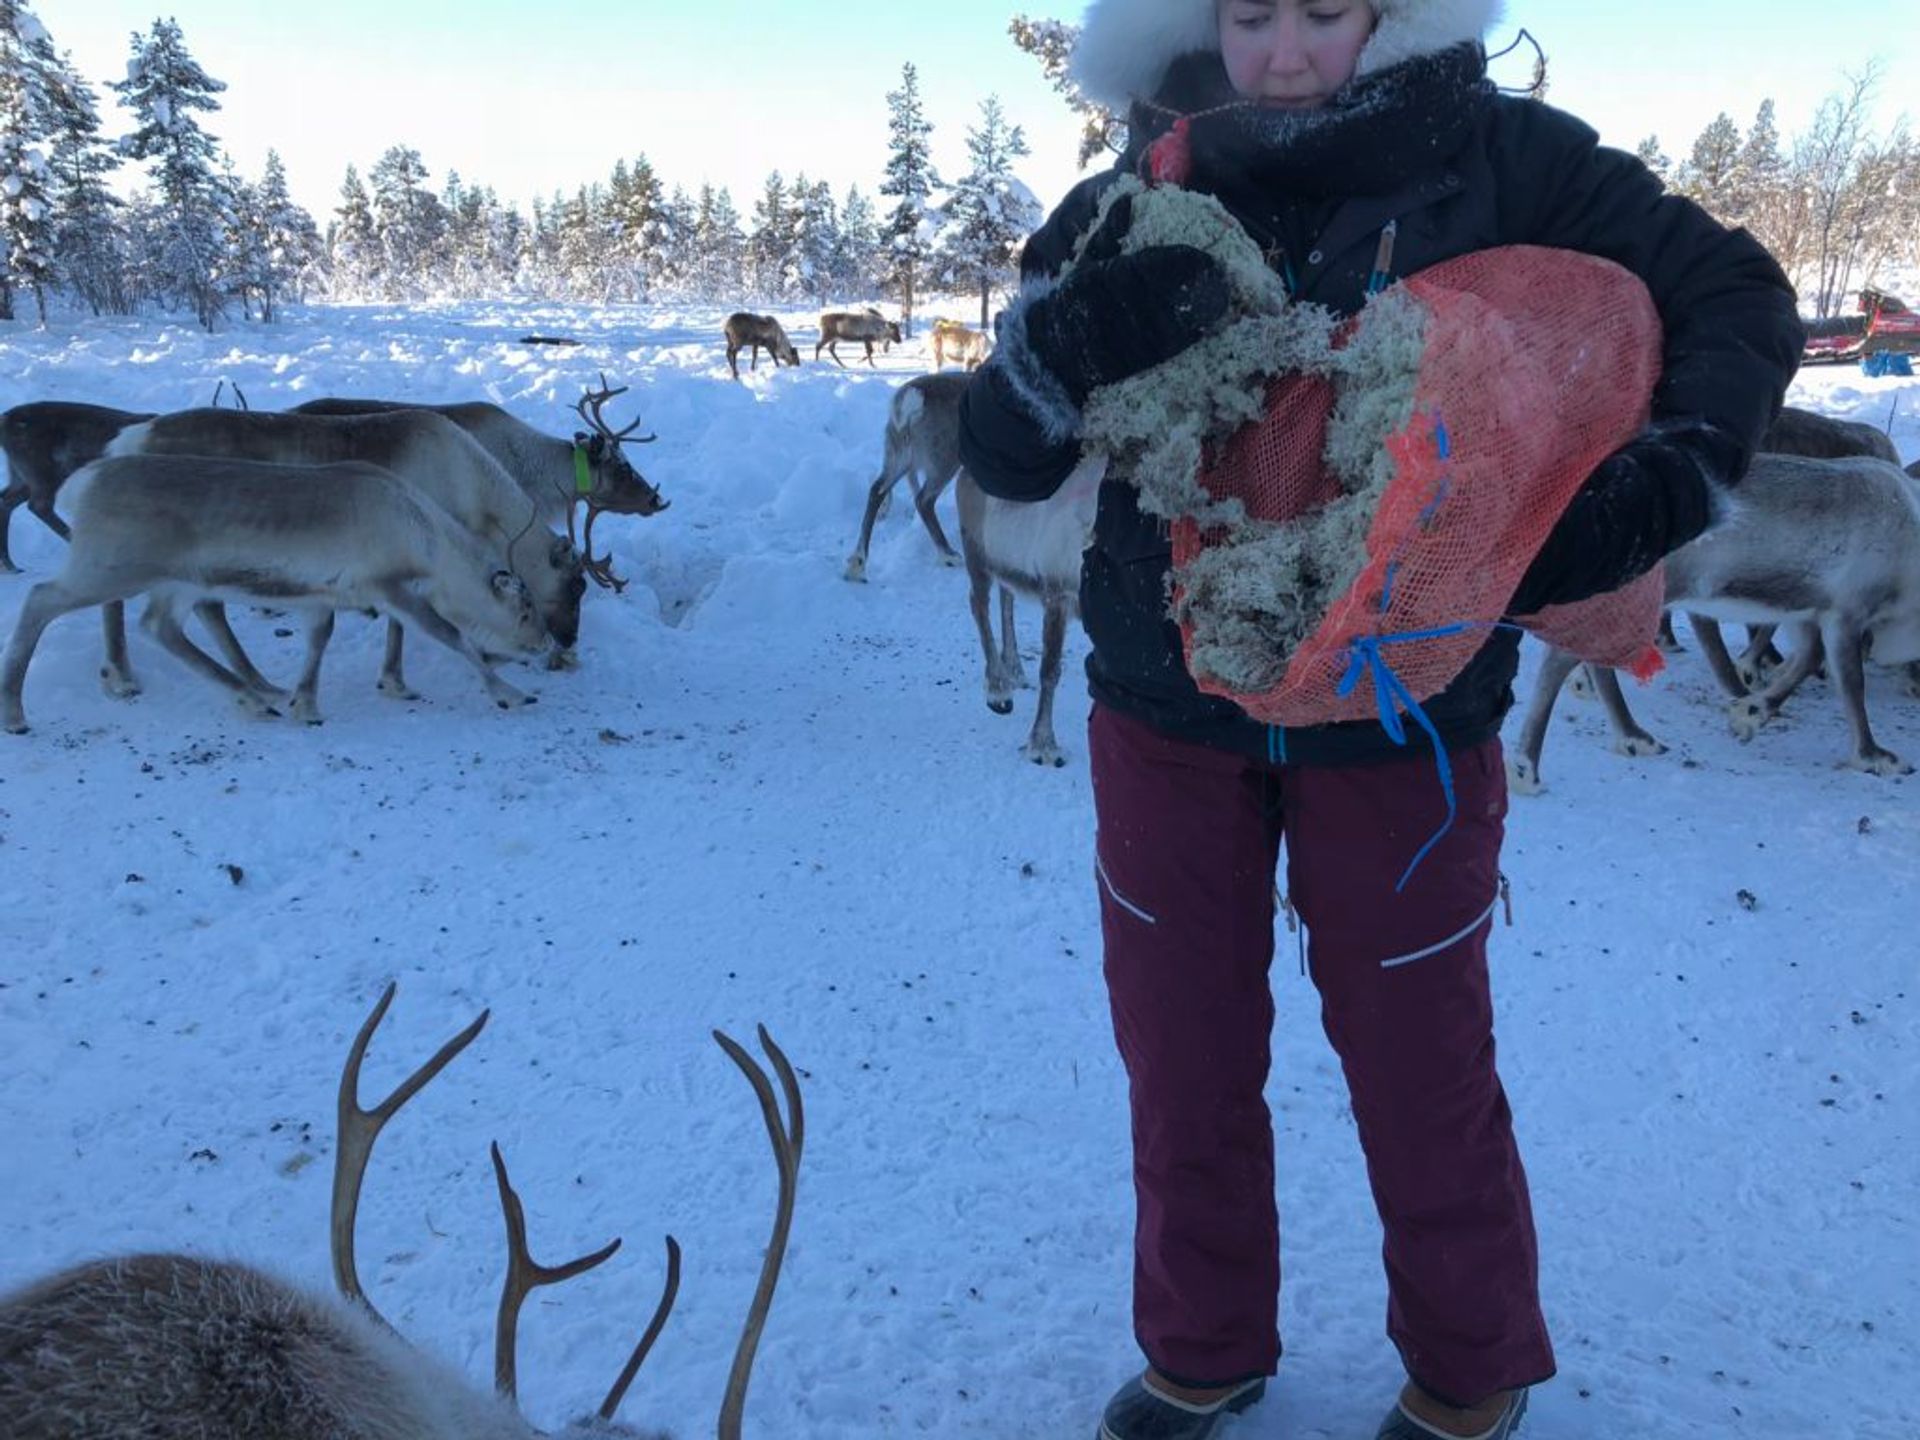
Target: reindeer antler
{"points": [[588, 406], [524, 1275], [359, 1128]]}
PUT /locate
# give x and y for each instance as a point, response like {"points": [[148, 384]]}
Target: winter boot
{"points": [[1402, 1425], [1139, 1412]]}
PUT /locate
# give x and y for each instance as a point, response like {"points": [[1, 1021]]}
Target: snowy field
{"points": [[768, 795]]}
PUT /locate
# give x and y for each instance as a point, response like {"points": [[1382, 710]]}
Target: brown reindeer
{"points": [[45, 441], [954, 341], [745, 331], [869, 327], [178, 1347]]}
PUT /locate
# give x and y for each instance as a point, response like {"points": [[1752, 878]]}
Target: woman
{"points": [[1339, 133]]}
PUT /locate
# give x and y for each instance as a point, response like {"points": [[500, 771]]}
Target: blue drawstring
{"points": [[1276, 745]]}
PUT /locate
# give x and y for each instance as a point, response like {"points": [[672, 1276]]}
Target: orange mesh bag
{"points": [[1532, 365]]}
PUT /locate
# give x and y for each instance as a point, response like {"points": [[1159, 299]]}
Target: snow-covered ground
{"points": [[769, 795]]}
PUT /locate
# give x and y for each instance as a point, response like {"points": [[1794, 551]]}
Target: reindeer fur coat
{"points": [[1421, 140]]}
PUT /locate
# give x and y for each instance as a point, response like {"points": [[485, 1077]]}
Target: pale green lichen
{"points": [[1259, 588]]}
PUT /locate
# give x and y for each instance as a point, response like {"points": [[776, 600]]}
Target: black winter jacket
{"points": [[1523, 173]]}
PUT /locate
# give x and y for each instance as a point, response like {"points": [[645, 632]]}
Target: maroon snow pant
{"points": [[1189, 838]]}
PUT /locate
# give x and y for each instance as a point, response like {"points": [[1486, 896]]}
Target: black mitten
{"points": [[1645, 501], [1112, 317]]}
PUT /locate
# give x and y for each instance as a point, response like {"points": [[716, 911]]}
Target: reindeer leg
{"points": [[1523, 769], [1759, 659], [11, 499], [877, 495], [1846, 651], [213, 615], [392, 682], [116, 675], [1749, 715], [1041, 747], [306, 699], [979, 589], [1664, 637], [1011, 665], [924, 500], [1628, 737], [1913, 679], [43, 511], [1714, 646], [45, 603], [410, 606], [159, 621]]}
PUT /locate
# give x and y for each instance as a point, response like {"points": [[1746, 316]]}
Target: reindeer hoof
{"points": [[1523, 777], [856, 570], [1748, 717], [1045, 753], [563, 658], [1638, 746], [17, 726], [999, 705], [1880, 762], [951, 560], [119, 686], [397, 689], [1581, 685]]}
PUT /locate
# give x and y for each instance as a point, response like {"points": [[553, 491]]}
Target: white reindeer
{"points": [[427, 451], [179, 1347], [320, 538], [591, 470], [922, 445], [1831, 547]]}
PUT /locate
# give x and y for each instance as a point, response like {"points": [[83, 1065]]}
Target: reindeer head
{"points": [[613, 483]]}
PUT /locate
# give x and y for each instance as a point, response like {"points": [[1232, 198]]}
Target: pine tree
{"points": [[856, 261], [289, 239], [353, 243], [816, 239], [26, 214], [911, 180], [1051, 42], [409, 223], [164, 87], [1710, 168], [1649, 154], [771, 248], [88, 244], [990, 213]]}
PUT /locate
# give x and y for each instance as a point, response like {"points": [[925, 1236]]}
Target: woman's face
{"points": [[1292, 54]]}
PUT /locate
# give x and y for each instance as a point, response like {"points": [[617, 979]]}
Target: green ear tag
{"points": [[582, 477]]}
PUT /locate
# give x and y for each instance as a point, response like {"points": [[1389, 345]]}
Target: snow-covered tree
{"points": [[857, 260], [773, 247], [164, 88], [990, 213], [1051, 42], [88, 246], [910, 180], [276, 242], [1708, 173], [719, 246], [816, 239], [352, 243], [1649, 154], [26, 214], [409, 223]]}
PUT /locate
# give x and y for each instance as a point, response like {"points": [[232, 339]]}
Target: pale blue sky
{"points": [[532, 97]]}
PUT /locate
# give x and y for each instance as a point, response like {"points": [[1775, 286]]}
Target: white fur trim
{"points": [[1126, 45], [1031, 384]]}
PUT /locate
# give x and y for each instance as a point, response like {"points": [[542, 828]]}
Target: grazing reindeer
{"points": [[1035, 548], [589, 470], [322, 538], [923, 443], [954, 341], [1830, 546], [178, 1347], [750, 332], [869, 327], [46, 441], [427, 451]]}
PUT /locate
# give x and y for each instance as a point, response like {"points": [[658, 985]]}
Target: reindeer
{"points": [[426, 450], [46, 441], [557, 475], [1829, 546], [750, 332], [181, 1347], [922, 443], [868, 327], [321, 538], [1035, 548], [954, 341]]}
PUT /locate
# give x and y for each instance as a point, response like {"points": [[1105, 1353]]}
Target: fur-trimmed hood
{"points": [[1126, 45]]}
